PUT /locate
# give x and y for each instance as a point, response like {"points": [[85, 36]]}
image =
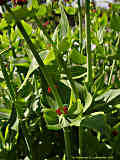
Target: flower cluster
{"points": [[64, 110]]}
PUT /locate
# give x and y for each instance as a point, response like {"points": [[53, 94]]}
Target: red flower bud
{"points": [[49, 90], [58, 111], [65, 109], [94, 10], [45, 24]]}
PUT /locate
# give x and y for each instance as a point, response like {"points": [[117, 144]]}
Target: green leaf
{"points": [[4, 113], [115, 22], [99, 83], [100, 34], [35, 4], [77, 71], [50, 57], [53, 127], [89, 139], [64, 45], [3, 24], [54, 37], [116, 6], [52, 103], [63, 122], [63, 25], [26, 90], [96, 121], [85, 96], [77, 58], [76, 121], [109, 96], [27, 27], [1, 137], [34, 65], [6, 132], [13, 35], [50, 116], [42, 10], [16, 125], [75, 109], [70, 10], [17, 11], [24, 62]]}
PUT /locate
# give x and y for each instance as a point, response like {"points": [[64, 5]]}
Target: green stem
{"points": [[80, 25], [68, 73], [111, 73], [67, 143], [37, 57], [80, 133], [7, 79], [13, 52], [27, 139], [14, 56], [88, 42]]}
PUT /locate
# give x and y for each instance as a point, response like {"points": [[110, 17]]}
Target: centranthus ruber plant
{"points": [[59, 80]]}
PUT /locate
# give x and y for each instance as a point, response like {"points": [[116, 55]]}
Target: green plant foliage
{"points": [[96, 121], [115, 18], [109, 96], [77, 58], [4, 113], [64, 25], [59, 80]]}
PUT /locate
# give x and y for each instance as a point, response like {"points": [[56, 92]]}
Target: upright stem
{"points": [[80, 133], [68, 73], [67, 143], [88, 42], [13, 52], [111, 73], [7, 79], [80, 25], [89, 63]]}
